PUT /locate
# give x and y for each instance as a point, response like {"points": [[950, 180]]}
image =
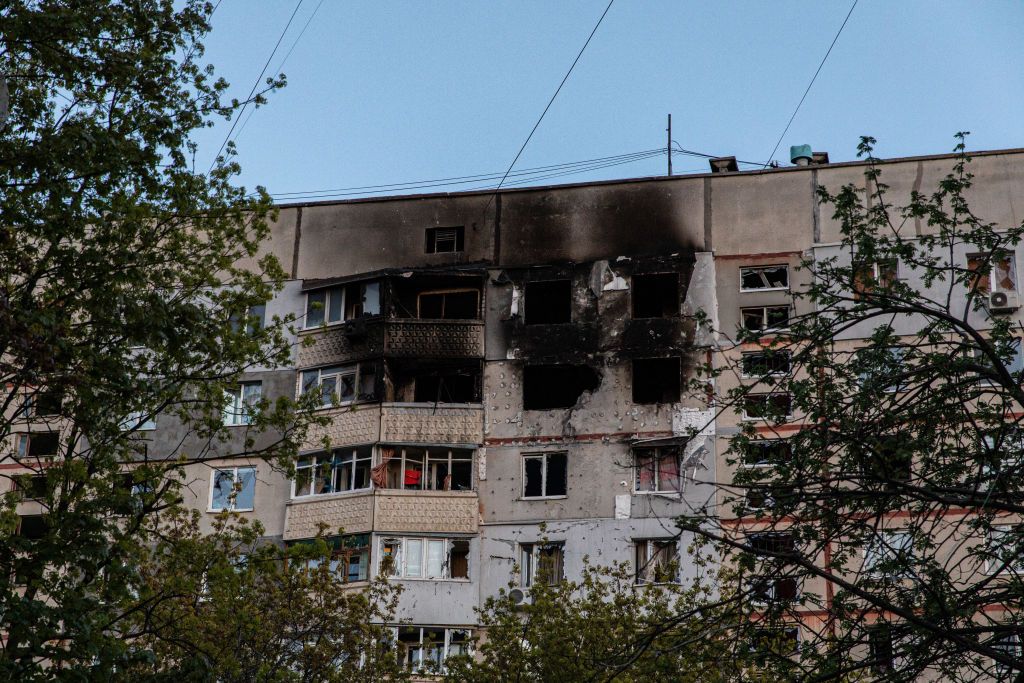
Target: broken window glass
{"points": [[764, 277], [774, 406], [656, 561], [233, 488], [454, 304], [656, 380], [993, 272], [767, 452], [544, 475], [541, 562], [655, 295], [362, 299], [765, 318], [458, 559], [657, 470], [548, 302], [766, 363]]}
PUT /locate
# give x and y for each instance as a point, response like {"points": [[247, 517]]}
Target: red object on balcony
{"points": [[412, 477]]}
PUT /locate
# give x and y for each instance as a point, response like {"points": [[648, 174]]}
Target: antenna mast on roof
{"points": [[668, 145]]}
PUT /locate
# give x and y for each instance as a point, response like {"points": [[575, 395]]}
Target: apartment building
{"points": [[505, 374]]}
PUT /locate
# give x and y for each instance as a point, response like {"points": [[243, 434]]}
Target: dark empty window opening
{"points": [[546, 387], [32, 526], [544, 475], [32, 487], [39, 445], [446, 387], [449, 304], [548, 302], [445, 240], [656, 380], [656, 295], [766, 363]]}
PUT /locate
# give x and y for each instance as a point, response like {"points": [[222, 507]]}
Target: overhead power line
{"points": [[255, 85], [280, 65], [485, 181], [552, 100], [813, 78]]}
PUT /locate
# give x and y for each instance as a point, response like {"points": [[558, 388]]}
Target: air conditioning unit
{"points": [[1002, 302], [519, 597]]}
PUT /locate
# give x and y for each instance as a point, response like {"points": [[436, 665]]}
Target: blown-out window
{"points": [[233, 488], [426, 558]]}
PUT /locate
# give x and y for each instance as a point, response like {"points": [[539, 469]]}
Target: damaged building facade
{"points": [[507, 376]]}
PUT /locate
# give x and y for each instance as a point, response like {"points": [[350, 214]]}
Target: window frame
{"points": [[544, 456], [432, 457], [652, 548], [342, 554], [746, 290], [458, 239], [764, 317], [233, 497], [420, 664], [769, 353], [994, 566], [993, 285], [445, 293], [657, 490], [400, 558], [529, 562], [880, 274], [331, 460], [882, 553], [138, 421], [237, 412], [766, 395], [356, 370]]}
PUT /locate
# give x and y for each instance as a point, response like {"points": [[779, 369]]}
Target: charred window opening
{"points": [[452, 304], [32, 526], [435, 296], [38, 445], [445, 240], [547, 387], [435, 382], [447, 387], [656, 380], [656, 295], [548, 302]]}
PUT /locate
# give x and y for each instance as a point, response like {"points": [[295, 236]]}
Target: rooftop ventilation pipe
{"points": [[801, 155]]}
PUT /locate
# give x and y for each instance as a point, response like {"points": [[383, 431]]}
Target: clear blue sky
{"points": [[385, 92]]}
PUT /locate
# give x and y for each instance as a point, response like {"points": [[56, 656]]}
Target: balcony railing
{"points": [[384, 510], [426, 423], [396, 337]]}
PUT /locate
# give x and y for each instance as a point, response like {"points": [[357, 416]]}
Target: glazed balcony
{"points": [[395, 337], [384, 510]]}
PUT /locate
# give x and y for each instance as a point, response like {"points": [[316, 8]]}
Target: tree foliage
{"points": [[128, 283], [897, 504]]}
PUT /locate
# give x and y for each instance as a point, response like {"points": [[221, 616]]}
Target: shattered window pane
{"points": [[769, 277], [556, 475], [316, 303], [534, 477], [458, 560], [223, 487]]}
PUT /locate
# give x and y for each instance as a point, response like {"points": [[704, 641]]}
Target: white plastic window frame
{"points": [[400, 558], [234, 479], [769, 353], [318, 459], [329, 294], [237, 412], [544, 475], [875, 552], [660, 454], [765, 329], [446, 648], [744, 269]]}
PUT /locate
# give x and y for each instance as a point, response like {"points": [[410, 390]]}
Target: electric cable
{"points": [[552, 100], [281, 64], [255, 85], [813, 78], [460, 180]]}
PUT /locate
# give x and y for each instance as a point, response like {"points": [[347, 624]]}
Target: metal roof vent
{"points": [[801, 155]]}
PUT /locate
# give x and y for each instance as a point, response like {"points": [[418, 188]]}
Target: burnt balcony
{"points": [[395, 337], [383, 510]]}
